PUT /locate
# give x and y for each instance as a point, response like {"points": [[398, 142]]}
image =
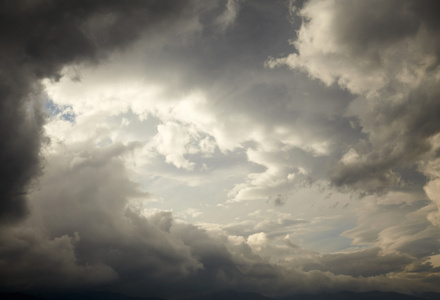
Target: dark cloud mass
{"points": [[159, 148]]}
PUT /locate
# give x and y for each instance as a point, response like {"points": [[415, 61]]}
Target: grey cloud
{"points": [[38, 38], [396, 84], [399, 136], [88, 219], [278, 200], [91, 198], [277, 227], [86, 225], [228, 66], [366, 263], [414, 235], [19, 152], [89, 233], [367, 27], [281, 226], [31, 260]]}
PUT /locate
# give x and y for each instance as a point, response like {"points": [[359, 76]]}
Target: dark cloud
{"points": [[89, 228], [30, 260], [366, 30], [399, 136], [88, 231], [91, 199], [37, 39], [20, 132]]}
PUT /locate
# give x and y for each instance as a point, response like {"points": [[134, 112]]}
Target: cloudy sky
{"points": [[170, 148]]}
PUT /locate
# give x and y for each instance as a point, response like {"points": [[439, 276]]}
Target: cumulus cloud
{"points": [[89, 229], [90, 232], [36, 261], [388, 57], [38, 40], [257, 240], [87, 233], [160, 113]]}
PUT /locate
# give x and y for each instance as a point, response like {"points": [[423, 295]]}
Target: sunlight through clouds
{"points": [[174, 149]]}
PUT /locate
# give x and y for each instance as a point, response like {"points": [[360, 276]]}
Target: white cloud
{"points": [[257, 240], [229, 15], [173, 141]]}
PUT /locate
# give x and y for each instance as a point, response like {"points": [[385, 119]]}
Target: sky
{"points": [[173, 148]]}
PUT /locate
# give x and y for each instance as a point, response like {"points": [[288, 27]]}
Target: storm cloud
{"points": [[158, 148]]}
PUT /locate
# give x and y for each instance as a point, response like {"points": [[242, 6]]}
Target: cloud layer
{"points": [[164, 149]]}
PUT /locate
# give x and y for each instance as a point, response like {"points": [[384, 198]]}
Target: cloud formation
{"points": [[387, 55], [161, 149], [38, 39]]}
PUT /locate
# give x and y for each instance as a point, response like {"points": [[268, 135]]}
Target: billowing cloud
{"points": [[38, 39], [164, 150], [87, 228], [387, 55]]}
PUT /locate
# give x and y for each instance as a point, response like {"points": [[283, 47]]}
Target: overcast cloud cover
{"points": [[171, 148]]}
